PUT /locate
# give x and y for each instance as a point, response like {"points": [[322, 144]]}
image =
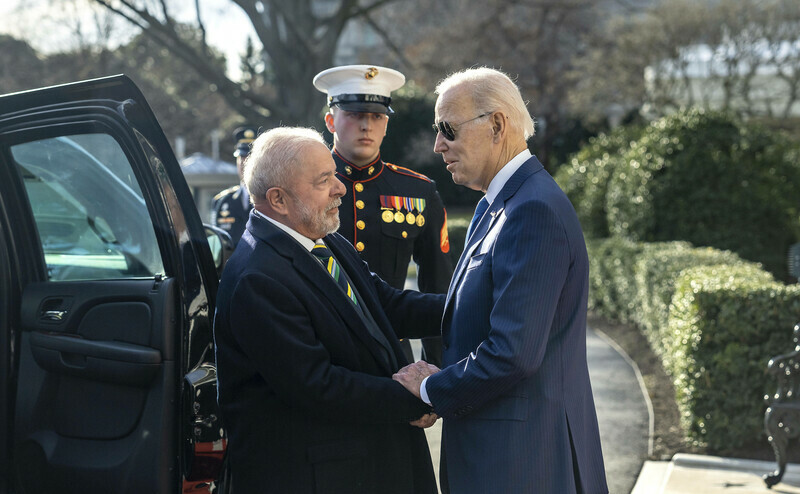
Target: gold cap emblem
{"points": [[371, 73]]}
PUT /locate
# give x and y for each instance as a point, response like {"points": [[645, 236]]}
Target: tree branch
{"points": [[233, 93], [389, 43]]}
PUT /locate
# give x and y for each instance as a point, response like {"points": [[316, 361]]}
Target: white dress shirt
{"points": [[302, 239]]}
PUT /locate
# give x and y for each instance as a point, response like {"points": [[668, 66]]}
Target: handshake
{"points": [[411, 377]]}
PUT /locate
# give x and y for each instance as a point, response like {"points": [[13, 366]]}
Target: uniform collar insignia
{"points": [[352, 172]]}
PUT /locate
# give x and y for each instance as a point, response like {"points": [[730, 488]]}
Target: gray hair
{"points": [[274, 157], [493, 90]]}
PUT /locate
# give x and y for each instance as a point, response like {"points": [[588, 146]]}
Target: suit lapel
{"points": [[513, 184], [317, 277], [337, 244]]}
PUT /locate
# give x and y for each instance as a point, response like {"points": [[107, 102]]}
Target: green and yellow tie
{"points": [[325, 256]]}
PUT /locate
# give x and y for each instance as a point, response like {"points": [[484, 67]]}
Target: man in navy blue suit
{"points": [[514, 390], [306, 341]]}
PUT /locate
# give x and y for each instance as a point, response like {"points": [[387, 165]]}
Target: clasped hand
{"points": [[411, 377]]}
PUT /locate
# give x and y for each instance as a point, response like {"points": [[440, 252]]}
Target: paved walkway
{"points": [[622, 411]]}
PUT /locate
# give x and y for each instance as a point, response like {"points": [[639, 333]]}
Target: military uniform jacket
{"points": [[390, 214], [230, 211]]}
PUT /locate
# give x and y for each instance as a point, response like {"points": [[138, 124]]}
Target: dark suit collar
{"points": [[308, 267], [531, 166]]}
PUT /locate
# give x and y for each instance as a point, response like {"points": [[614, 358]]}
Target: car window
{"points": [[90, 214]]}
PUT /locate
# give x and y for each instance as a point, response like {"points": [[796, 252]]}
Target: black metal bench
{"points": [[782, 418]]}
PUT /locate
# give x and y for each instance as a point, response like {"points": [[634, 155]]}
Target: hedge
{"points": [[713, 319], [612, 290], [724, 326], [705, 177], [585, 178]]}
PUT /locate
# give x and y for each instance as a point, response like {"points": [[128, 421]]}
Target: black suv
{"points": [[107, 292]]}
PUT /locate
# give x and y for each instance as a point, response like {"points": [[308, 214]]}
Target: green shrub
{"points": [[709, 179], [585, 178], [656, 271], [713, 319], [725, 324], [611, 278]]}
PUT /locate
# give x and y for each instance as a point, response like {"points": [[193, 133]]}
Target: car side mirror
{"points": [[221, 245]]}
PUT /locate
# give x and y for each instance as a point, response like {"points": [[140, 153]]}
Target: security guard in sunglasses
{"points": [[389, 213], [231, 207]]}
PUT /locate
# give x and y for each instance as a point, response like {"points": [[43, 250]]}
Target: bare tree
{"points": [[296, 39], [533, 41]]}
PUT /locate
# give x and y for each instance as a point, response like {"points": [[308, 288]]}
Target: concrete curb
{"points": [[711, 473]]}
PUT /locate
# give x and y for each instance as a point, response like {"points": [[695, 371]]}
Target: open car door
{"points": [[107, 286]]}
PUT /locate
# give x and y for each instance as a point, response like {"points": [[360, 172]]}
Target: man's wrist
{"points": [[423, 393]]}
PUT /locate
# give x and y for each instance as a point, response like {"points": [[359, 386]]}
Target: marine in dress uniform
{"points": [[390, 213], [231, 207]]}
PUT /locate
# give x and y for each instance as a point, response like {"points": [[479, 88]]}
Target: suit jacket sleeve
{"points": [[409, 313], [529, 265], [273, 327], [432, 249]]}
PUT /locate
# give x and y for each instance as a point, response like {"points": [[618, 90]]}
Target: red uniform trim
{"points": [[401, 170]]}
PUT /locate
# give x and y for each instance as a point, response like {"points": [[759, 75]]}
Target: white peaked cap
{"points": [[359, 87]]}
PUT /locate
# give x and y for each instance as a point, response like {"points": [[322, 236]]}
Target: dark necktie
{"points": [[483, 205], [325, 256]]}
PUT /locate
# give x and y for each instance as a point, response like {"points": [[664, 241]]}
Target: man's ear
{"points": [[329, 123], [276, 200], [499, 122]]}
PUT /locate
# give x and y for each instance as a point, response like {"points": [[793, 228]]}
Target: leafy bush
{"points": [[709, 179], [724, 325], [713, 319], [655, 273], [585, 178], [612, 290]]}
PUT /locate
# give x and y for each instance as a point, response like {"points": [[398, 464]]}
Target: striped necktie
{"points": [[325, 256]]}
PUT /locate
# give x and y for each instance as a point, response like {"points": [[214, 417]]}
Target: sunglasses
{"points": [[448, 130]]}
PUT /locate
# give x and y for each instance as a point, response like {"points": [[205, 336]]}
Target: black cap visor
{"points": [[362, 103]]}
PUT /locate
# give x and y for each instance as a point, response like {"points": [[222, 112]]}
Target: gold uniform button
{"points": [[360, 246], [360, 204], [361, 224], [359, 187], [405, 234]]}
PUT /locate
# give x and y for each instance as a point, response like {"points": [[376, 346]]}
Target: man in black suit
{"points": [[306, 342], [231, 207]]}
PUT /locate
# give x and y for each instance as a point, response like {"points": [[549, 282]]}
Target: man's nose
{"points": [[339, 189], [440, 144]]}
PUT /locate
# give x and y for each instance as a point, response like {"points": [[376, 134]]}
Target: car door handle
{"points": [[53, 315]]}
